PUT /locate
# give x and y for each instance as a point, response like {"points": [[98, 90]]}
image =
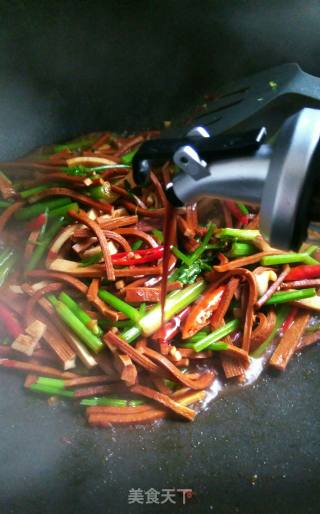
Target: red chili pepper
{"points": [[137, 256], [38, 222], [236, 212], [303, 272], [201, 312], [172, 327], [11, 324], [289, 319]]}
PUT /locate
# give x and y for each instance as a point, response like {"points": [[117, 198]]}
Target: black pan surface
{"points": [[71, 67]]}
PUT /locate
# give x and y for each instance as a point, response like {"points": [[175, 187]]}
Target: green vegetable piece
{"points": [[35, 209], [237, 233], [158, 234], [188, 274], [71, 320], [51, 382], [239, 249], [288, 258], [198, 336], [180, 255], [243, 208], [214, 337], [203, 246], [311, 249], [50, 390], [63, 210], [110, 401], [80, 313], [218, 347], [45, 237], [127, 158], [119, 305], [289, 296], [136, 244], [103, 192], [131, 334], [33, 191], [175, 302]]}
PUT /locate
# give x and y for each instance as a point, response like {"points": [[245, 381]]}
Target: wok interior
{"points": [[71, 68]]}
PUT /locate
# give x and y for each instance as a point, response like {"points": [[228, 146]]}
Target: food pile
{"points": [[82, 278]]}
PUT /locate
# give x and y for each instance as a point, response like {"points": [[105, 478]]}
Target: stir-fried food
{"points": [[114, 300]]}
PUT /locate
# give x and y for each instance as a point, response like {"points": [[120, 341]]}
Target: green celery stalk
{"points": [[203, 246], [52, 391], [34, 210], [142, 309], [288, 258], [218, 346], [237, 233], [51, 382], [32, 191], [119, 305], [123, 323], [282, 313], [180, 255], [80, 313], [174, 303], [198, 336], [71, 320], [63, 210], [289, 296], [239, 249], [214, 337], [131, 334], [311, 249], [45, 239], [112, 402]]}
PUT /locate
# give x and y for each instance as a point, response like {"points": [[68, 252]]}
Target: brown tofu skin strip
{"points": [[289, 342], [308, 340]]}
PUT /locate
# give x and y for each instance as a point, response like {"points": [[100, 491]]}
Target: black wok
{"points": [[68, 68]]}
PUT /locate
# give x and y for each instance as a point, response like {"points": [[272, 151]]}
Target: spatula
{"points": [[267, 98], [220, 152]]}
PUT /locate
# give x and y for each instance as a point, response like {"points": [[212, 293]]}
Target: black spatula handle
{"points": [[158, 151]]}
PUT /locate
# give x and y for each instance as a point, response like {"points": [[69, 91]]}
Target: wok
{"points": [[68, 68]]}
